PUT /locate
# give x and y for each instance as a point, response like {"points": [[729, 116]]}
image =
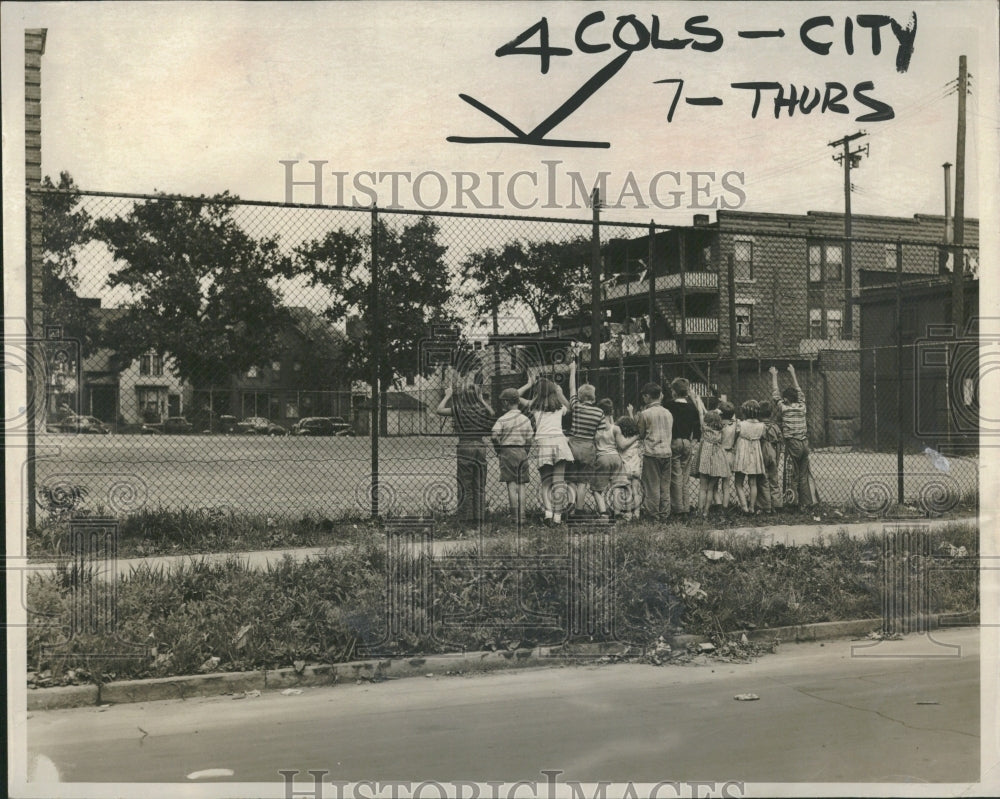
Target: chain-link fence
{"points": [[289, 359]]}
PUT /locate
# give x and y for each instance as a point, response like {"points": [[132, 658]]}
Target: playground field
{"points": [[332, 476]]}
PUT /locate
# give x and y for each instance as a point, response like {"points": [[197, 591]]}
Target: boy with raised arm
{"points": [[792, 404]]}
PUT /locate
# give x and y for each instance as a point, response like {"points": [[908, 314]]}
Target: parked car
{"points": [[79, 424], [313, 426], [340, 426], [321, 426], [227, 424], [259, 426], [172, 425]]}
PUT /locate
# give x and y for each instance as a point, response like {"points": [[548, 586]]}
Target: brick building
{"points": [[752, 290], [792, 290]]}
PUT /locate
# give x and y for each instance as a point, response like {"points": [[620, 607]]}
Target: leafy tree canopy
{"points": [[66, 228], [203, 287], [413, 290], [540, 274]]}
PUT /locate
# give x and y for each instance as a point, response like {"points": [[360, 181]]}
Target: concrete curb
{"points": [[376, 670]]}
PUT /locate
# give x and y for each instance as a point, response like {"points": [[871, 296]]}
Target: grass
{"points": [[189, 532], [163, 531], [330, 608]]}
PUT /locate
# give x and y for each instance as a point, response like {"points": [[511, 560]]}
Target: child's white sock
{"points": [[557, 517]]}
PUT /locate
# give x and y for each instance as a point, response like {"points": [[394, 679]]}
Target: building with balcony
{"points": [[762, 286], [754, 289]]}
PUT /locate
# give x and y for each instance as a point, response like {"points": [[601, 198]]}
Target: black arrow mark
{"points": [[537, 135]]}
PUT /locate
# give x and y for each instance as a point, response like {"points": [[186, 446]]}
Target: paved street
{"points": [[843, 711]]}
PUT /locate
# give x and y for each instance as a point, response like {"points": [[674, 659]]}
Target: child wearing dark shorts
{"points": [[511, 436]]}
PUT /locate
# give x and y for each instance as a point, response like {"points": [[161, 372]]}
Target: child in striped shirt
{"points": [[792, 404]]}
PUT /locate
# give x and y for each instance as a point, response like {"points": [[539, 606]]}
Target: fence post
{"points": [[35, 351], [595, 284], [376, 365], [734, 360], [651, 294], [899, 372], [683, 268]]}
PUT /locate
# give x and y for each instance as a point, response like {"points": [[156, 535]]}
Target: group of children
{"points": [[647, 458]]}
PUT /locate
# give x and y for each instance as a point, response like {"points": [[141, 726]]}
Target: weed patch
{"points": [[333, 608]]}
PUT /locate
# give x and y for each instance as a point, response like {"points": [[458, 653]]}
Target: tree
{"points": [[66, 228], [203, 287], [413, 291], [489, 279], [541, 275]]}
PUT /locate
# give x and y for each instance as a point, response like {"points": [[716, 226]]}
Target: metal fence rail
{"points": [[291, 359]]}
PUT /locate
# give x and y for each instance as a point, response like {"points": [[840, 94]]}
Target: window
{"points": [[275, 366], [252, 372], [706, 257], [815, 264], [148, 400], [743, 259], [834, 262], [834, 324], [151, 364], [815, 323], [825, 262], [297, 366], [890, 257], [744, 322]]}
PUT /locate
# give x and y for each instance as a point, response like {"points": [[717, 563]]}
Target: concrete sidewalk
{"points": [[788, 535]]}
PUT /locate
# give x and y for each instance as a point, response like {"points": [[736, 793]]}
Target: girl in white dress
{"points": [[548, 407], [748, 461]]}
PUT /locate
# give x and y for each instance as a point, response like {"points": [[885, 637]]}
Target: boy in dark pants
{"points": [[656, 434], [686, 431], [792, 404]]}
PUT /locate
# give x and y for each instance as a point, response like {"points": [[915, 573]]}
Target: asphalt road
{"points": [[905, 711]]}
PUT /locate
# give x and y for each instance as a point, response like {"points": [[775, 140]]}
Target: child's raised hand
{"points": [[773, 370], [791, 368]]}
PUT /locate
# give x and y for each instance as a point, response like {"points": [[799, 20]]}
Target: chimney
{"points": [[701, 219]]}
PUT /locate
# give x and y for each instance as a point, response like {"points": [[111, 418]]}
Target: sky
{"points": [[200, 98]]}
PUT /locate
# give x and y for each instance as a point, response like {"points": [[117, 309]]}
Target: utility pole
{"points": [[947, 202], [958, 269], [851, 159]]}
